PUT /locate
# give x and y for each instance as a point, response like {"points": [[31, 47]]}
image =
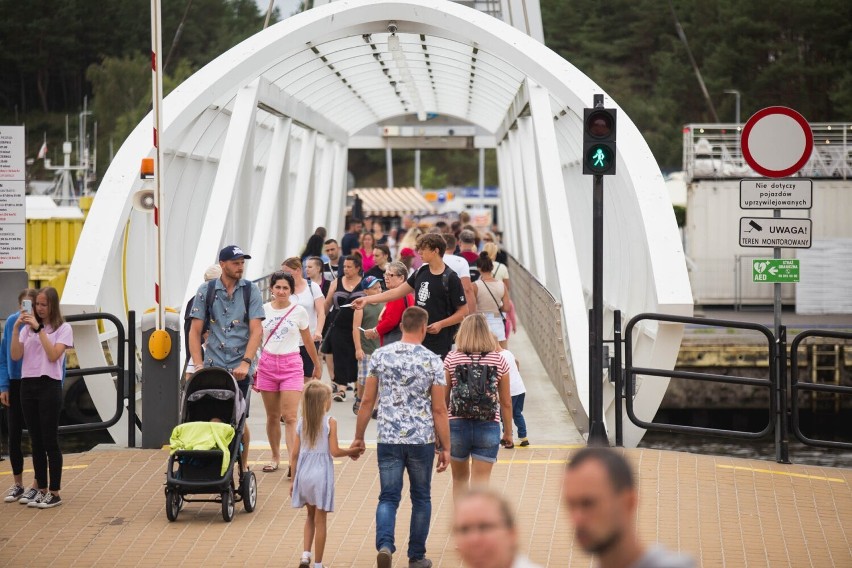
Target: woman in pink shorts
{"points": [[280, 376]]}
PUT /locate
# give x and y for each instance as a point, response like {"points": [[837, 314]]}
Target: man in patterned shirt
{"points": [[409, 382]]}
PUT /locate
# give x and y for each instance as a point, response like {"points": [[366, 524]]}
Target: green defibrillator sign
{"points": [[772, 270]]}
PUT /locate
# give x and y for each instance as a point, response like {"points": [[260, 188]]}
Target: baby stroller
{"points": [[211, 394]]}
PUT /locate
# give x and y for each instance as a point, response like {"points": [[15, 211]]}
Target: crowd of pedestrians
{"points": [[415, 324]]}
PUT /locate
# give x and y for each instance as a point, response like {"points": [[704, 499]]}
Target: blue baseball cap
{"points": [[369, 282], [232, 252]]}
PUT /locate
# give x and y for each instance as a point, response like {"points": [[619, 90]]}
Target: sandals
{"points": [[270, 467], [340, 396]]}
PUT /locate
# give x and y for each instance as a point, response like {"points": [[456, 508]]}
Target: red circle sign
{"points": [[777, 141]]}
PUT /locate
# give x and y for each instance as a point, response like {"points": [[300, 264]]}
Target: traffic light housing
{"points": [[599, 128]]}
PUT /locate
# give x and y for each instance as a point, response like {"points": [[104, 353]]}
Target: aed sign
{"points": [[775, 270]]}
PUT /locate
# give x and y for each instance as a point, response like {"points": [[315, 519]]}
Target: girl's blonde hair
{"points": [[491, 249], [475, 336], [315, 399]]}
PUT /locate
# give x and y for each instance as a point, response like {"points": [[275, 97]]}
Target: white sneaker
{"points": [[38, 499], [14, 493], [28, 496], [50, 500]]}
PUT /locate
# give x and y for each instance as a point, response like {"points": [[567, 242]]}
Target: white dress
{"points": [[314, 481]]}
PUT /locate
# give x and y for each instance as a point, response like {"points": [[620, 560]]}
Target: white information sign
{"points": [[772, 232], [13, 222], [786, 193], [12, 202], [12, 158], [12, 249]]}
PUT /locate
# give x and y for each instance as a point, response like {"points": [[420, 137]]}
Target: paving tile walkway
{"points": [[723, 511]]}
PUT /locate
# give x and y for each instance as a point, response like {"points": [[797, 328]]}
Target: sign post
{"points": [[776, 142]]}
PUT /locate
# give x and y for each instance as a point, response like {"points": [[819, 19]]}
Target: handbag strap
{"points": [[274, 329], [498, 304]]}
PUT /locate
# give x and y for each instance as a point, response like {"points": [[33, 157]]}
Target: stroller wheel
{"points": [[174, 503], [248, 491], [228, 504]]}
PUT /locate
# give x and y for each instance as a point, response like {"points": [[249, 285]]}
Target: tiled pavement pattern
{"points": [[724, 511]]}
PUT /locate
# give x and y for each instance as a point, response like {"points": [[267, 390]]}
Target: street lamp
{"points": [[737, 94]]}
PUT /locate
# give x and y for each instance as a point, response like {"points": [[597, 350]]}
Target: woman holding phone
{"points": [[41, 338]]}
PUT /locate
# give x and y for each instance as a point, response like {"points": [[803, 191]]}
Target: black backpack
{"points": [[474, 394]]}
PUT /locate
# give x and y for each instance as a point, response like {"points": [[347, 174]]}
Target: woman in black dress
{"points": [[342, 292]]}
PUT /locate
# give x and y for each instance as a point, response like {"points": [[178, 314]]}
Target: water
{"points": [[762, 449]]}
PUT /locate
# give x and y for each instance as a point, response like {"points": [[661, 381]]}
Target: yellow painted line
{"points": [[786, 473], [513, 462], [64, 468], [284, 462]]}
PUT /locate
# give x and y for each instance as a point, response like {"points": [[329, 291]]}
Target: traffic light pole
{"points": [[597, 430]]}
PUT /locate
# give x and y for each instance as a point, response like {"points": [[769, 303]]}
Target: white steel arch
{"points": [[255, 148]]}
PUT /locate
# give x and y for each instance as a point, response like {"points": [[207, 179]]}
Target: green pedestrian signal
{"points": [[599, 126], [599, 159]]}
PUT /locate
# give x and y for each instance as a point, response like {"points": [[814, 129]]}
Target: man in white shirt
{"points": [[460, 267]]}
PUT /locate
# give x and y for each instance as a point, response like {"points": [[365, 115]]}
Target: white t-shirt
{"points": [[500, 272], [516, 383], [458, 264], [287, 336], [306, 299]]}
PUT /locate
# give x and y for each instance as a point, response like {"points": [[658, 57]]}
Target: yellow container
{"points": [[50, 249]]}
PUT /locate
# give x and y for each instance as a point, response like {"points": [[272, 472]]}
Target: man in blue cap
{"points": [[230, 308]]}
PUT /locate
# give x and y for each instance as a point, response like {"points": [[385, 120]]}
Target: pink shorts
{"points": [[279, 372]]}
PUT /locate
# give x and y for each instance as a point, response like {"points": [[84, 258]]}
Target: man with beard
{"points": [[230, 309], [600, 495]]}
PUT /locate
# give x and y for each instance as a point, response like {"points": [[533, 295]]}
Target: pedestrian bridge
{"points": [[255, 153]]}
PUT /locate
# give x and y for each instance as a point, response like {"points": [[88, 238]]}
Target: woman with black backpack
{"points": [[479, 399]]}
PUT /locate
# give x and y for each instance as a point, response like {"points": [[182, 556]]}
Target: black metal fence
{"points": [[125, 379], [783, 412]]}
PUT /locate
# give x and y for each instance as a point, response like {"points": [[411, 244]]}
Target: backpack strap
{"points": [[211, 295], [247, 297]]}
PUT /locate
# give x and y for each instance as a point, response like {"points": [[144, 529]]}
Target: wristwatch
{"points": [[247, 360], [39, 328]]}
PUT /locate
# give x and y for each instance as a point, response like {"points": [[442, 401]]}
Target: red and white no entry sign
{"points": [[777, 141]]}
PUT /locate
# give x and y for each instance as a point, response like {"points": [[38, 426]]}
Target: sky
{"points": [[286, 7]]}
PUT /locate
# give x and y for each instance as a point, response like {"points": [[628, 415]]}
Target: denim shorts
{"points": [[475, 439]]}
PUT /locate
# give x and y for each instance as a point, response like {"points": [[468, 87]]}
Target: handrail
{"points": [[796, 386], [119, 368], [625, 385]]}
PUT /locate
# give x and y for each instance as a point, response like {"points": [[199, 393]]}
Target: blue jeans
{"points": [[518, 414], [394, 459]]}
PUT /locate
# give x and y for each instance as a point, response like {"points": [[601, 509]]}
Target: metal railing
{"points": [[783, 410], [626, 382], [541, 315], [124, 381], [796, 387], [712, 151]]}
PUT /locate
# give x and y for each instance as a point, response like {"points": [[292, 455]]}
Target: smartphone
{"points": [[27, 306]]}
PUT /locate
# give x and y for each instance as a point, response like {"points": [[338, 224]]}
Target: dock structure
{"points": [[723, 511]]}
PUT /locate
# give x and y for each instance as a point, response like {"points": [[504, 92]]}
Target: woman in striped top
{"points": [[479, 399]]}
